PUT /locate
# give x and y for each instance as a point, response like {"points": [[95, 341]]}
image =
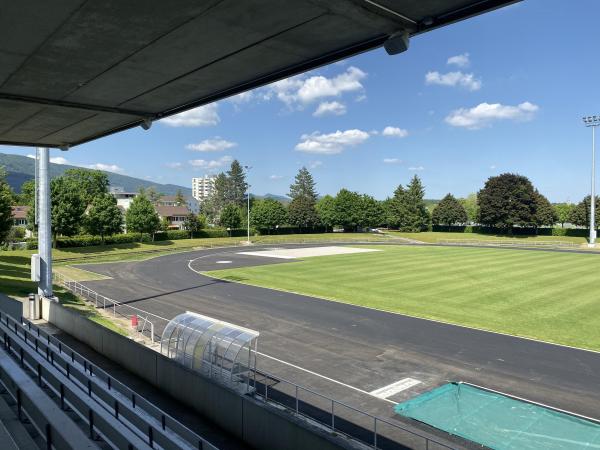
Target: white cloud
{"points": [[391, 160], [485, 113], [315, 164], [492, 167], [417, 168], [275, 177], [302, 90], [59, 160], [330, 108], [460, 60], [394, 132], [174, 165], [203, 116], [332, 143], [211, 145], [105, 167], [211, 164], [243, 97], [466, 80]]}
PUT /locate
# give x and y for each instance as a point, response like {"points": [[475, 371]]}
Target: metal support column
{"points": [[44, 224]]}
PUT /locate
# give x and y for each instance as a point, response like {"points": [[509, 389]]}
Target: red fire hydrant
{"points": [[134, 321]]}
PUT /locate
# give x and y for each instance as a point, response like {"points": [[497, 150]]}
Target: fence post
{"points": [[332, 416], [296, 399], [375, 432]]}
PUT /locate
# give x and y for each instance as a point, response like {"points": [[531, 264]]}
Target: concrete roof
{"points": [[76, 70]]}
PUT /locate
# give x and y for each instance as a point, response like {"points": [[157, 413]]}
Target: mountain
{"points": [[21, 168]]}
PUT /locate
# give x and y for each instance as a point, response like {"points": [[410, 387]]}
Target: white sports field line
{"points": [[395, 388]]}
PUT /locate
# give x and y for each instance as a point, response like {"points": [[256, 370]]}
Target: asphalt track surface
{"points": [[346, 351]]}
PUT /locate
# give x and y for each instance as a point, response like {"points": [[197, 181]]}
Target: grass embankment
{"points": [[543, 295], [436, 236]]}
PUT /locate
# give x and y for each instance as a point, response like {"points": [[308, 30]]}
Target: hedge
{"points": [[518, 231]]}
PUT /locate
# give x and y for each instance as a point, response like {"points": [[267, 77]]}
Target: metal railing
{"points": [[509, 243], [339, 417], [109, 408], [117, 308]]}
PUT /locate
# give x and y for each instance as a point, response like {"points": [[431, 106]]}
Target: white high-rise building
{"points": [[203, 187]]}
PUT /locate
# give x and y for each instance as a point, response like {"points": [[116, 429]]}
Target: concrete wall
{"points": [[260, 425], [13, 307]]}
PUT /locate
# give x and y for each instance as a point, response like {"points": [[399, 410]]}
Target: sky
{"points": [[503, 92]]}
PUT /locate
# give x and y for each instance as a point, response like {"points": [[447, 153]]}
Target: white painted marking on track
{"points": [[223, 262], [395, 388], [324, 377]]}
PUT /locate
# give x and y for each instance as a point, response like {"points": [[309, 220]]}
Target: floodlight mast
{"points": [[593, 122], [248, 198]]}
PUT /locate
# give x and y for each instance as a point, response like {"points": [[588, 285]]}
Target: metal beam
{"points": [[44, 224]]}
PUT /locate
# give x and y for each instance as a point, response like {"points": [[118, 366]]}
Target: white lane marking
{"points": [[395, 388], [324, 377], [223, 262]]}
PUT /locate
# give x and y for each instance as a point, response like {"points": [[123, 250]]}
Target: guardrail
{"points": [[108, 408], [339, 417], [108, 304], [509, 243]]}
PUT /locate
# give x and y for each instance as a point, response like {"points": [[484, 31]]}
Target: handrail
{"points": [[113, 396]]}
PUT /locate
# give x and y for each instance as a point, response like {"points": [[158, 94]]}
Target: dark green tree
{"points": [[507, 200], [304, 185], [231, 216], [416, 214], [347, 209], [449, 211], [545, 215], [325, 207], [6, 199], [302, 209], [68, 206], [27, 193], [580, 214], [141, 217], [193, 224], [370, 212], [302, 213], [103, 218], [236, 179], [268, 214], [90, 183], [563, 212]]}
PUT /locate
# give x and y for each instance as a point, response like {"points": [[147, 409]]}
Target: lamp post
{"points": [[593, 122], [248, 198]]}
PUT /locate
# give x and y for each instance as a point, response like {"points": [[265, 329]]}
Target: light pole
{"points": [[248, 198], [593, 122]]}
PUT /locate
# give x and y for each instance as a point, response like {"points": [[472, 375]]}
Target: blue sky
{"points": [[503, 92]]}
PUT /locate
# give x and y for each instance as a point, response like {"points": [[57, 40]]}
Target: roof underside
{"points": [[72, 70]]}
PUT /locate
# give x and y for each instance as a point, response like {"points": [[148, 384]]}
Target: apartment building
{"points": [[203, 187]]}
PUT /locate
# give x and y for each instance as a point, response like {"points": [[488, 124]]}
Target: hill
{"points": [[21, 168]]}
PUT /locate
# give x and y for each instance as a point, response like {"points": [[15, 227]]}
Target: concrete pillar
{"points": [[44, 224]]}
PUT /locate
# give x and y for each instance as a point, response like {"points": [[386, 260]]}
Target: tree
{"points": [[236, 180], [268, 214], [68, 206], [544, 212], [449, 211], [507, 200], [6, 197], [231, 216], [26, 197], [141, 217], [470, 205], [151, 194], [304, 185], [301, 210], [180, 198], [91, 183], [302, 213], [370, 212], [164, 224], [193, 224], [326, 212], [347, 209], [104, 218], [563, 212], [396, 208], [580, 214]]}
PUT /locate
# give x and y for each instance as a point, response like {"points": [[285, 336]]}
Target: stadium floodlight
{"points": [[593, 122], [248, 196]]}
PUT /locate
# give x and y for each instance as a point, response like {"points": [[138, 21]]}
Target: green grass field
{"points": [[545, 295], [436, 236]]}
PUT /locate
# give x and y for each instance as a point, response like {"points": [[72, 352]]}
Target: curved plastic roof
{"points": [[76, 70], [210, 346]]}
